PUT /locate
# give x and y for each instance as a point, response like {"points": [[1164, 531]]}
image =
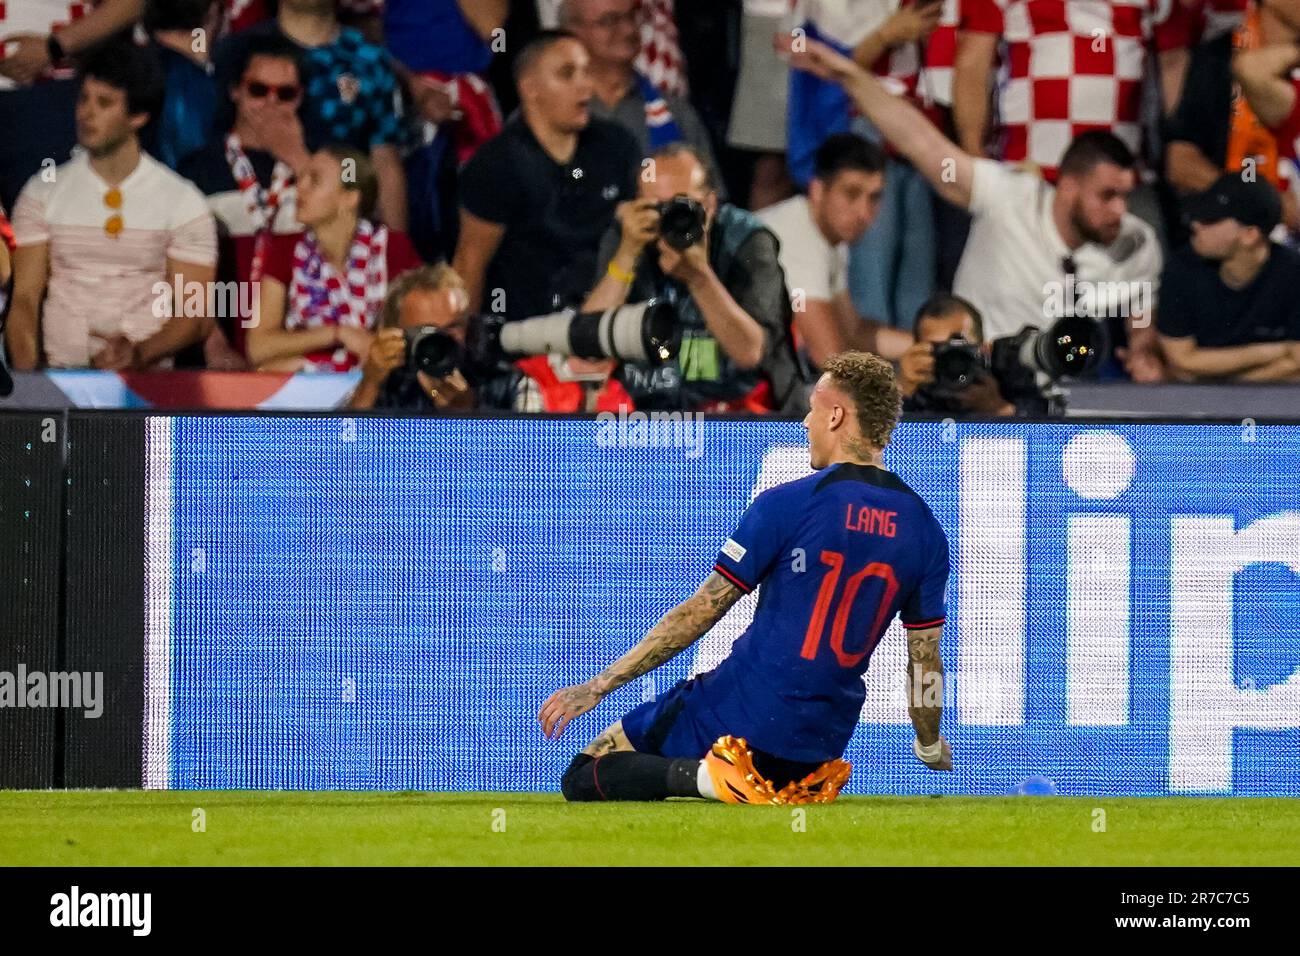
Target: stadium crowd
{"points": [[884, 175]]}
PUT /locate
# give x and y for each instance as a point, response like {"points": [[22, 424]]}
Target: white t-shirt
{"points": [[105, 284], [811, 264], [1013, 269]]}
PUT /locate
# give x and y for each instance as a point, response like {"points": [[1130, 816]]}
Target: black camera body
{"points": [[682, 221], [957, 363]]}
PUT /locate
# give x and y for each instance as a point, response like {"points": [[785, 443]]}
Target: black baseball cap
{"points": [[1255, 203]]}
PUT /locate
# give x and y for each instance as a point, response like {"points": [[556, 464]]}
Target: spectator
{"points": [[892, 267], [758, 112], [815, 232], [608, 30], [1189, 24], [38, 87], [661, 59], [941, 320], [1029, 238], [1071, 66], [537, 199], [1213, 129], [323, 289], [1068, 66], [728, 289], [1265, 75], [180, 31], [1230, 305], [431, 296], [249, 173], [443, 48], [97, 237], [350, 91]]}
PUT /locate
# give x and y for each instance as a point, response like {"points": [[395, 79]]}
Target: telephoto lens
{"points": [[644, 332], [1071, 347]]}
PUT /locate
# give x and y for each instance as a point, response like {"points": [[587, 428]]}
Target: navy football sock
{"points": [[627, 775]]}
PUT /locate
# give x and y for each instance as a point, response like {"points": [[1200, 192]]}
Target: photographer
{"points": [[941, 320], [718, 266], [431, 296]]}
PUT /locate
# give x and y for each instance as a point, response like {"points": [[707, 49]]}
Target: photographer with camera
{"points": [[718, 267], [422, 302], [946, 372]]}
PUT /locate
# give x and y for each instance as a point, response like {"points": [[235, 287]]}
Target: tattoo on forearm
{"points": [[925, 683], [678, 629]]}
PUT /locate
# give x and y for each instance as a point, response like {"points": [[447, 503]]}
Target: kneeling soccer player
{"points": [[838, 554]]}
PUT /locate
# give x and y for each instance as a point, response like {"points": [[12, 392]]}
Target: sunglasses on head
{"points": [[260, 91]]}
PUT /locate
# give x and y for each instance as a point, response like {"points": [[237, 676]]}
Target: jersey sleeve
{"points": [[924, 607], [748, 555]]}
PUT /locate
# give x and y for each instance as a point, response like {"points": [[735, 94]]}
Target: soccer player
{"points": [[838, 554]]}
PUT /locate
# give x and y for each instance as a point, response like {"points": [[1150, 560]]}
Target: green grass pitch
{"points": [[116, 828]]}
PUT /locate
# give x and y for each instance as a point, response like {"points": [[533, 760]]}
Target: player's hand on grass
{"points": [[566, 704], [942, 762]]}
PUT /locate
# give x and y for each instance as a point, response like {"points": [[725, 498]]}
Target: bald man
{"points": [[536, 200]]}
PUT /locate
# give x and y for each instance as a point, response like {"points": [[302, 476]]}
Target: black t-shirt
{"points": [[1195, 302], [554, 213], [208, 169], [1204, 111]]}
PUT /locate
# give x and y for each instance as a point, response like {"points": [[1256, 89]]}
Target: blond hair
{"points": [[869, 381], [434, 278]]}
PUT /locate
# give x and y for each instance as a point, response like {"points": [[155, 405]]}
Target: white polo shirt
{"points": [[1015, 256], [812, 266], [103, 284]]}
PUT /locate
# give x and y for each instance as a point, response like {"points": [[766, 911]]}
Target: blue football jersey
{"points": [[838, 554]]}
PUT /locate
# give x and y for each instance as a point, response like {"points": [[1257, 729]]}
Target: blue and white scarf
{"points": [[659, 122]]}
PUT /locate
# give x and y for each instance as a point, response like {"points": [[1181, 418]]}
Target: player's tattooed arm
{"points": [[925, 683], [677, 630]]}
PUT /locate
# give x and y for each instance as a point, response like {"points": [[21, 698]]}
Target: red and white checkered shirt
{"points": [[935, 85], [661, 57], [1069, 66]]}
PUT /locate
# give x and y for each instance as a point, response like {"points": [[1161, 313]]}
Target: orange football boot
{"points": [[821, 786], [731, 768]]}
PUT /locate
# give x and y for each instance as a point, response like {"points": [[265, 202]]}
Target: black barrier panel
{"points": [[105, 597], [31, 466]]}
